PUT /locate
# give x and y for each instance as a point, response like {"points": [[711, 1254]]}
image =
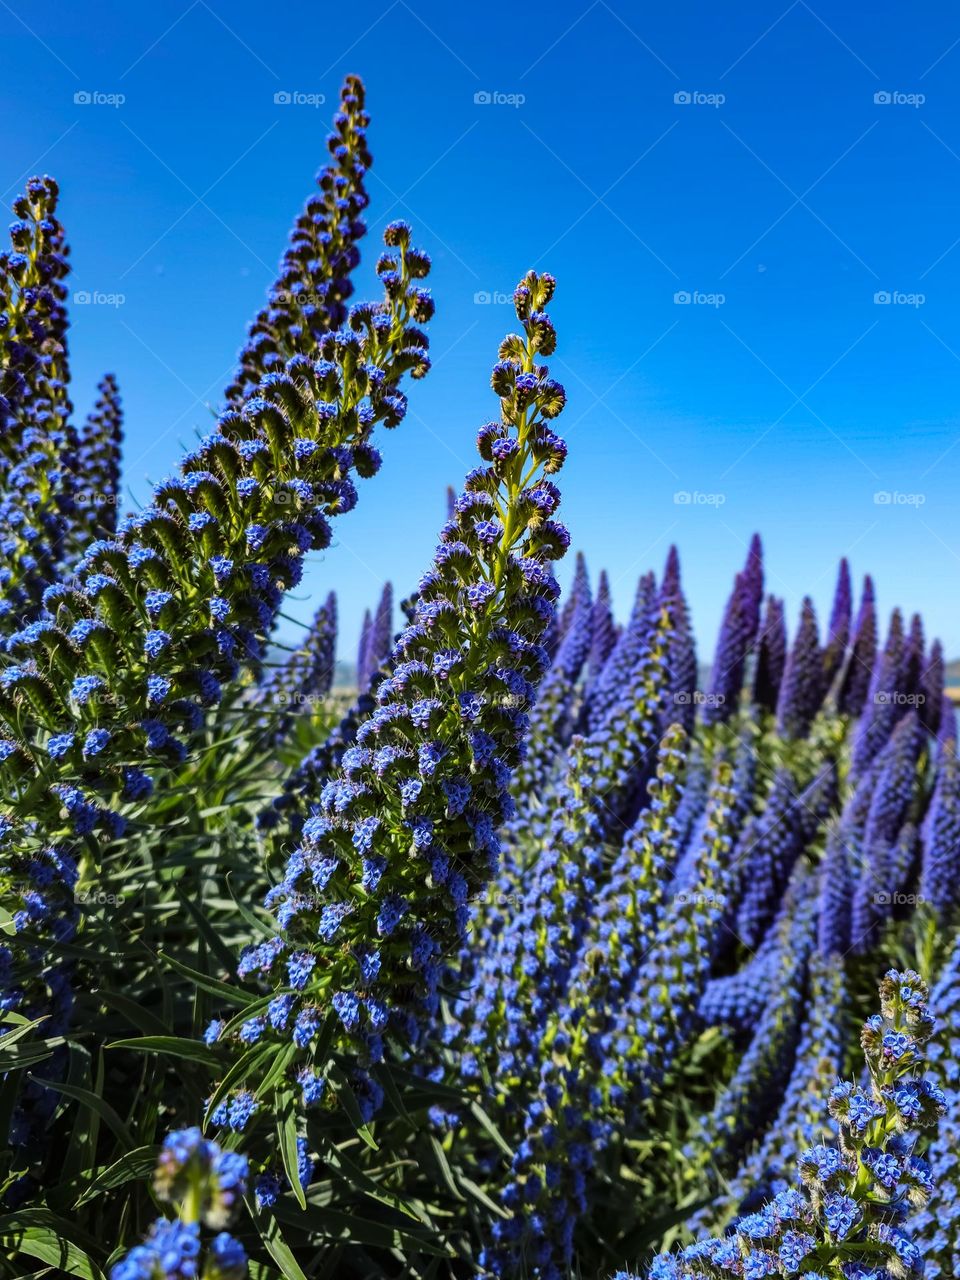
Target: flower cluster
{"points": [[205, 1187], [848, 1212], [940, 871], [37, 442], [799, 1122], [738, 634], [111, 681], [125, 658], [855, 682], [761, 1072], [802, 687], [309, 297], [522, 974], [593, 970], [553, 718], [771, 656], [603, 629], [97, 495], [606, 689], [404, 832], [938, 1225], [306, 674], [884, 868], [376, 639], [591, 1027]]}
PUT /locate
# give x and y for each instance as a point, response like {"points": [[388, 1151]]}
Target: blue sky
{"points": [[781, 165]]}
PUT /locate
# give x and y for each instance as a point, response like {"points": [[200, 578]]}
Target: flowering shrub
{"points": [[532, 953]]}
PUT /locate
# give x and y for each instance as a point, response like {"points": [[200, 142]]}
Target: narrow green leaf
{"points": [[272, 1237], [27, 1055], [135, 1166], [284, 1058], [223, 954], [446, 1172], [478, 1193], [193, 1050], [226, 992], [40, 1234], [256, 922], [336, 1225], [287, 1137], [431, 1089], [94, 1103], [392, 1093], [135, 1013], [349, 1103], [480, 1115], [357, 1177], [11, 1037]]}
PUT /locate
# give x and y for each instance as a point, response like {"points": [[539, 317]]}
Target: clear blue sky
{"points": [[798, 198]]}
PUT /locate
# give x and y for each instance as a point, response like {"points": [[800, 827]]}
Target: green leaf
{"points": [[11, 1037], [444, 1165], [135, 1166], [27, 1055], [352, 1226], [272, 1237], [94, 1103], [357, 1177], [283, 1059], [193, 1050], [392, 1093], [40, 1234], [349, 1103], [256, 922], [479, 1194], [430, 1090], [287, 1137], [223, 954], [643, 1238], [134, 1012], [226, 992], [480, 1115]]}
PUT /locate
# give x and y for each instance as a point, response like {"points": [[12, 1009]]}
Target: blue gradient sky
{"points": [[798, 199]]}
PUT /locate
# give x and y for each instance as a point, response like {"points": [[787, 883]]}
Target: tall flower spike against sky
{"points": [[792, 361]]}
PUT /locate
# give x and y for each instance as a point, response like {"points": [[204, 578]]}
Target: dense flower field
{"points": [[535, 958]]}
